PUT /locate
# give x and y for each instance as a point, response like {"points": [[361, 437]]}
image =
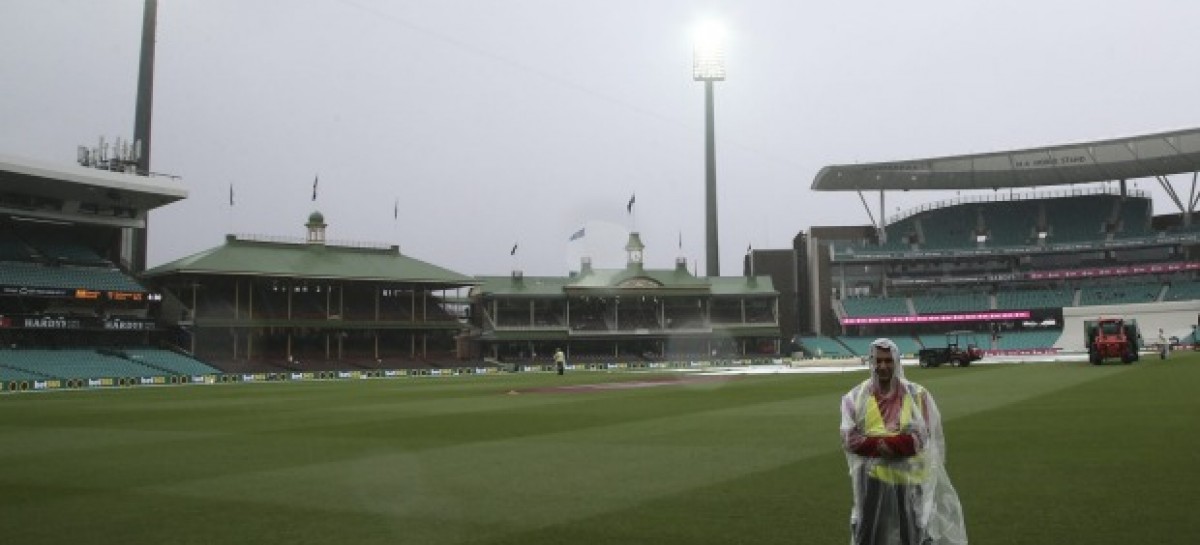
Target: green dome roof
{"points": [[316, 217]]}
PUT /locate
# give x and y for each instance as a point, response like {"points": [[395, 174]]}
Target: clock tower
{"points": [[634, 249]]}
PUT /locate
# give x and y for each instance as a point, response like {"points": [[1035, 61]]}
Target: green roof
{"points": [[257, 258], [663, 281], [529, 286], [666, 279]]}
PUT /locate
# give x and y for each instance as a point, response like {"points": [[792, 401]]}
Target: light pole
{"points": [[708, 65]]}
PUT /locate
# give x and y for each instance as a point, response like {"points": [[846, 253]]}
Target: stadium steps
{"points": [[860, 345], [16, 372], [1026, 340], [75, 363], [170, 362], [822, 346], [125, 355], [1162, 293], [1183, 290]]}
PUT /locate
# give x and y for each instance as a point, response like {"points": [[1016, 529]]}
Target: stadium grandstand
{"points": [[76, 313], [72, 309], [1050, 237], [630, 316], [269, 304]]}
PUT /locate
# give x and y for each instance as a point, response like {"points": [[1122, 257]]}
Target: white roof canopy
{"points": [[1135, 157], [74, 182]]}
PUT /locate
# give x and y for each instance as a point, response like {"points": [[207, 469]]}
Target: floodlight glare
{"points": [[708, 65], [708, 53]]}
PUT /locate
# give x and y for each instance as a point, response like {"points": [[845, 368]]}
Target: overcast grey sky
{"points": [[520, 121]]}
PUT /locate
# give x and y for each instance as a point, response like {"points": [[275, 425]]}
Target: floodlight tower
{"points": [[708, 65], [138, 237]]}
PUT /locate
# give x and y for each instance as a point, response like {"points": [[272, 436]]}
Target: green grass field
{"points": [[1040, 453]]}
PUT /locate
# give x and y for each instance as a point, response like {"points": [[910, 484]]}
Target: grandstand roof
{"points": [[239, 257], [1134, 157], [76, 183]]}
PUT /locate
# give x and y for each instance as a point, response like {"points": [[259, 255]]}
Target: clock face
{"points": [[639, 283], [635, 256]]}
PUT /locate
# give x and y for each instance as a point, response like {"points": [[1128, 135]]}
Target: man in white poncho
{"points": [[892, 435]]}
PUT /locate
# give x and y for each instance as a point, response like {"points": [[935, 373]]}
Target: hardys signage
{"points": [[47, 322], [74, 323], [129, 325]]}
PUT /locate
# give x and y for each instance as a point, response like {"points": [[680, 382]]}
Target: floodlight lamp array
{"points": [[708, 62]]}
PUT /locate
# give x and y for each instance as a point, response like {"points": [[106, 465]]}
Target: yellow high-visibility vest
{"points": [[911, 470]]}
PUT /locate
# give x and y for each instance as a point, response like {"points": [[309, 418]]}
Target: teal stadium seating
{"points": [[1078, 219], [13, 248], [1183, 291], [72, 363], [13, 273], [169, 361], [1028, 339], [8, 374], [942, 303], [1135, 218], [821, 346], [860, 345], [1110, 293], [898, 233], [875, 306], [1010, 223], [950, 227], [1034, 299]]}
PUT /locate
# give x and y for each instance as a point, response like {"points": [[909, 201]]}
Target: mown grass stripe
{"points": [[753, 460]]}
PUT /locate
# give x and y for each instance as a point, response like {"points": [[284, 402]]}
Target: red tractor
{"points": [[1109, 338]]}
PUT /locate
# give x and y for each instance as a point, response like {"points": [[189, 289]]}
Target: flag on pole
{"points": [[230, 194], [396, 210], [681, 240], [577, 234], [514, 250], [315, 179], [629, 207]]}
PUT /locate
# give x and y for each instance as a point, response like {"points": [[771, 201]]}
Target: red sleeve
{"points": [[862, 445], [902, 445]]}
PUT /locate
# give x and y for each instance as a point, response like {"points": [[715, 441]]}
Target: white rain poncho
{"points": [[897, 457]]}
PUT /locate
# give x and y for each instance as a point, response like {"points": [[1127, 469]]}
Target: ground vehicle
{"points": [[953, 352], [1111, 338]]}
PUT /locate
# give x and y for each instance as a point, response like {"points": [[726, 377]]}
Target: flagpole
{"points": [[229, 213], [632, 214]]}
